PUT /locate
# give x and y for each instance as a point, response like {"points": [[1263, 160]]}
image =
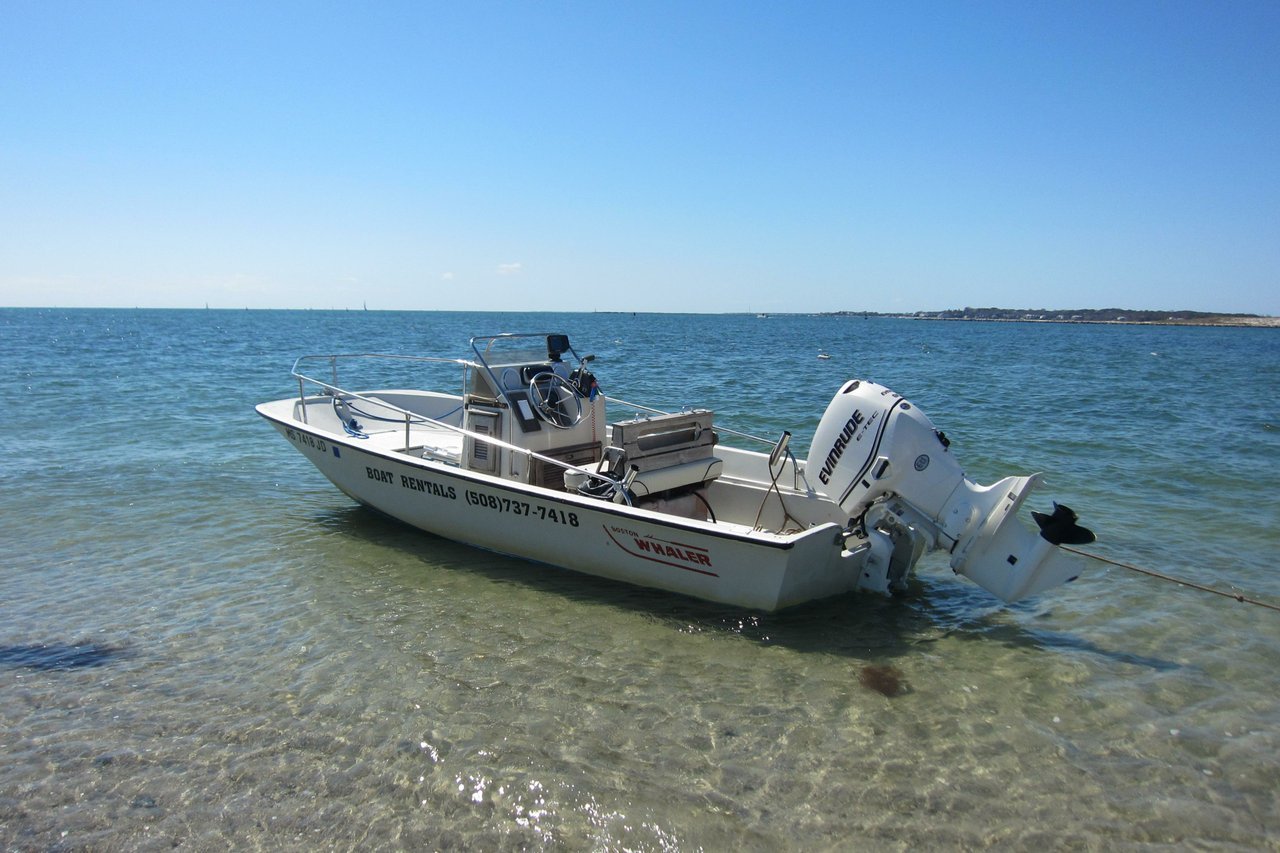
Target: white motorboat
{"points": [[523, 461]]}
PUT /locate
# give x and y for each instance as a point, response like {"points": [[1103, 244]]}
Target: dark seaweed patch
{"points": [[883, 679], [55, 657]]}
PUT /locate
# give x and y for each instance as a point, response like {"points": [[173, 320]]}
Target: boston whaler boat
{"points": [[523, 462]]}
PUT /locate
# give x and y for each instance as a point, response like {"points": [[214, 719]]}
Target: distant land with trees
{"points": [[1080, 315]]}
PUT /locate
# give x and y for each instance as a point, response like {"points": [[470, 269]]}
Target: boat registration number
{"points": [[306, 439]]}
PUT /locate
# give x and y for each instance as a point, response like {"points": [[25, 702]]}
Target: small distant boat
{"points": [[523, 461], [822, 356], [762, 316]]}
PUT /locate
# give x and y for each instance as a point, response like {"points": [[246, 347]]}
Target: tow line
{"points": [[1243, 599]]}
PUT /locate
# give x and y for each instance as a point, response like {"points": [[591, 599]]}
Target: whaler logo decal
{"points": [[837, 449], [691, 558]]}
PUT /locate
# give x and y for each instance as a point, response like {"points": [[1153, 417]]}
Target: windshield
{"points": [[522, 348]]}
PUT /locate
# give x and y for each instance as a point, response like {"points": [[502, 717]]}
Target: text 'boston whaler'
{"points": [[524, 462]]}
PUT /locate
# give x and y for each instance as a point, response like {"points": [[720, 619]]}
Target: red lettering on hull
{"points": [[691, 558]]}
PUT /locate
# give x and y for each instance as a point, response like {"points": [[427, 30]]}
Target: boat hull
{"points": [[720, 563]]}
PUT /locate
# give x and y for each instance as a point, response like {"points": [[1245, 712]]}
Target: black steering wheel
{"points": [[555, 399]]}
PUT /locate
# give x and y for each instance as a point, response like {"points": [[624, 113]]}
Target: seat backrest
{"points": [[664, 440]]}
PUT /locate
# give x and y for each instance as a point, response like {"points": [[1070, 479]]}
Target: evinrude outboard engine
{"points": [[884, 463]]}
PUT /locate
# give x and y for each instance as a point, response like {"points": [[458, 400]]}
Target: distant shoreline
{"points": [[1095, 317], [1239, 322]]}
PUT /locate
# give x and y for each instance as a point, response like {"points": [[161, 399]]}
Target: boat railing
{"points": [[333, 359], [332, 389]]}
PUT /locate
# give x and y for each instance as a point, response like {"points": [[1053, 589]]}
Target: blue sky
{"points": [[649, 156]]}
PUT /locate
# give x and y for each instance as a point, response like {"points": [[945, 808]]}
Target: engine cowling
{"points": [[882, 460], [870, 442]]}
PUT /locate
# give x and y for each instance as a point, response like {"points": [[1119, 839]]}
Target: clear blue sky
{"points": [[734, 156]]}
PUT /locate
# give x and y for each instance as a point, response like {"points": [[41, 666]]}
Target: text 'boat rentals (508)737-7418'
{"points": [[523, 460]]}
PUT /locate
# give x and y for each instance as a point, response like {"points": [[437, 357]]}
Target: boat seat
{"points": [[657, 480], [666, 452]]}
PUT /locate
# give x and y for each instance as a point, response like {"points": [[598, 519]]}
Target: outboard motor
{"points": [[881, 459]]}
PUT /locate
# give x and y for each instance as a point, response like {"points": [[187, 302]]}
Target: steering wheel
{"points": [[555, 399]]}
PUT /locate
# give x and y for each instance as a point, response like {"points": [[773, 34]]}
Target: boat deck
{"points": [[424, 442], [739, 498]]}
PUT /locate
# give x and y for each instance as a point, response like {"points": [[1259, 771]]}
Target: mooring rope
{"points": [[1243, 599]]}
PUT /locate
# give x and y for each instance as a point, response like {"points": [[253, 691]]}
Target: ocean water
{"points": [[203, 644]]}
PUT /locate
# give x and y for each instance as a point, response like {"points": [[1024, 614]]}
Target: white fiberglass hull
{"points": [[716, 562]]}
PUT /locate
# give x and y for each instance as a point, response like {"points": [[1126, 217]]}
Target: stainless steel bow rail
{"points": [[1243, 599]]}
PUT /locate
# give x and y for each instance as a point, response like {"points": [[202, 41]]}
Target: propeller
{"points": [[1060, 528]]}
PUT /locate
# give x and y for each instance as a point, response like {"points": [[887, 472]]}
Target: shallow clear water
{"points": [[203, 643]]}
